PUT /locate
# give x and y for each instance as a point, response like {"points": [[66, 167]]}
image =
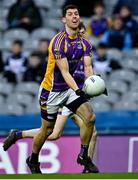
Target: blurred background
{"points": [[26, 27]]}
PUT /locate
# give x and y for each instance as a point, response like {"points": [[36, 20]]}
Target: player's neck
{"points": [[71, 32]]}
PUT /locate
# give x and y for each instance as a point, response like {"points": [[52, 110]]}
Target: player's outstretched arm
{"points": [[64, 68], [88, 66]]}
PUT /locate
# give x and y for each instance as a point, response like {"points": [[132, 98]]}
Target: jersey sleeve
{"points": [[58, 47], [87, 48]]}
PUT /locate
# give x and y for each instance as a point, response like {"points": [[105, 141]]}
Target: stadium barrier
{"points": [[115, 122], [114, 154]]}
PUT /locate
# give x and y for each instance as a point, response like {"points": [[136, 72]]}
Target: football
{"points": [[94, 86]]}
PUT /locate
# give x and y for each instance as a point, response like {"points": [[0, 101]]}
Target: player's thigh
{"points": [[54, 102], [43, 97], [62, 118], [74, 101], [47, 127], [77, 120], [59, 124], [80, 106], [85, 112]]}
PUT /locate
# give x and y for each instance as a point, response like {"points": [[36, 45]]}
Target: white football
{"points": [[94, 85]]}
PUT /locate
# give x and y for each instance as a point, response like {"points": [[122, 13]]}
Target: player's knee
{"points": [[46, 131], [90, 118], [49, 131]]}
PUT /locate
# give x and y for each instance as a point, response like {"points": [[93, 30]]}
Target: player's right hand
{"points": [[82, 94]]}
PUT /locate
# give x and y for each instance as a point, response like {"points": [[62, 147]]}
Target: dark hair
{"points": [[36, 54], [19, 42], [102, 45], [81, 25], [44, 40], [116, 16], [71, 6], [126, 6]]}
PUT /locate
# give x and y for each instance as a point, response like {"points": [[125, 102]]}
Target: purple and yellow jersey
{"points": [[79, 75], [61, 46]]}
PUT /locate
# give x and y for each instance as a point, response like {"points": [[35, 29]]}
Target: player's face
{"points": [[124, 12], [117, 24], [16, 49], [101, 52], [99, 10], [72, 18], [34, 61]]}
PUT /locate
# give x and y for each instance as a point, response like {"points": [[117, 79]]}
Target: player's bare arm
{"points": [[64, 68], [88, 66]]}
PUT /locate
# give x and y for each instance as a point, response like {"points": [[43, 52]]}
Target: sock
{"points": [[84, 150], [34, 158], [19, 135]]}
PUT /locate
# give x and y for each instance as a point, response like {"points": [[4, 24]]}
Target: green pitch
{"points": [[72, 176]]}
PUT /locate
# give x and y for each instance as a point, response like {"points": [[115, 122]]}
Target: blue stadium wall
{"points": [[116, 122]]}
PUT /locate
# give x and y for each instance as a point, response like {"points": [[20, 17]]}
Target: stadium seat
{"points": [[2, 99], [98, 99], [132, 53], [54, 24], [115, 53], [44, 15], [131, 64], [59, 3], [125, 75], [5, 54], [126, 105], [32, 44], [28, 87], [112, 97], [134, 86], [52, 13], [14, 109], [44, 3], [6, 44], [3, 109], [3, 25], [101, 106], [32, 108], [11, 109], [0, 35], [16, 34], [20, 98], [6, 88], [1, 42], [3, 13], [131, 95], [109, 6], [118, 86], [7, 3], [43, 33]]}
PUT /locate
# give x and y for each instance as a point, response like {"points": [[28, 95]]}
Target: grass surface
{"points": [[71, 176]]}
